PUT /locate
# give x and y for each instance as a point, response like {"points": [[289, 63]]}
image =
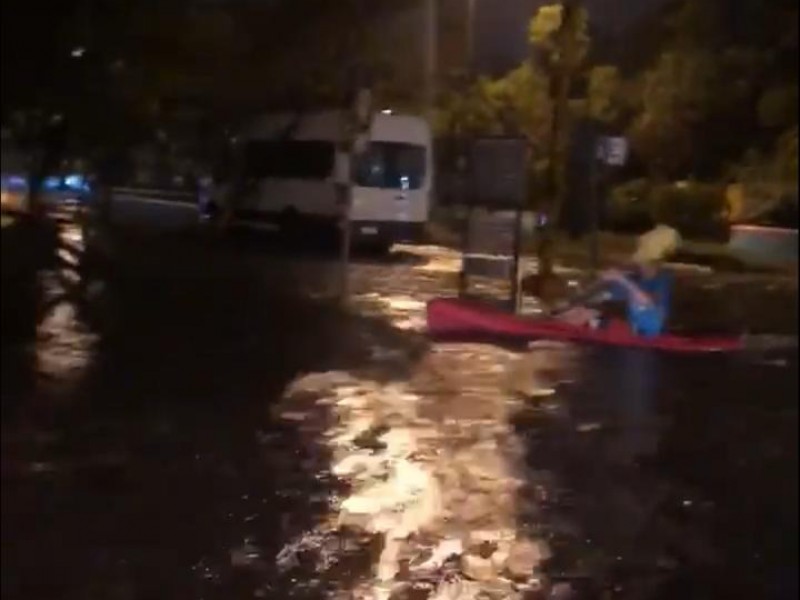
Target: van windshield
{"points": [[391, 165]]}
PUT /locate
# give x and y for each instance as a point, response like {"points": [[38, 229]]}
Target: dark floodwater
{"points": [[139, 459], [676, 477]]}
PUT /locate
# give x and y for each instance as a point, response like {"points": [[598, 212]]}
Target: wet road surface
{"points": [[675, 477], [141, 458], [133, 463]]}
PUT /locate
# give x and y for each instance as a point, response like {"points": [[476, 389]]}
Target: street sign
{"points": [[497, 191], [491, 233], [491, 252], [612, 151], [499, 168]]}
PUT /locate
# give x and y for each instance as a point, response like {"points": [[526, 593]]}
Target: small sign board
{"points": [[498, 173], [612, 151], [491, 233], [496, 193], [491, 252]]}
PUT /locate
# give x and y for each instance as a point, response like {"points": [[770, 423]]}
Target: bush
{"points": [[696, 210], [628, 207]]}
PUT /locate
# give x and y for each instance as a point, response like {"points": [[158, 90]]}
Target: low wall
{"points": [[763, 246], [152, 209]]}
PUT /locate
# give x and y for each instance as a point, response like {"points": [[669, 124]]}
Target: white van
{"points": [[289, 167]]}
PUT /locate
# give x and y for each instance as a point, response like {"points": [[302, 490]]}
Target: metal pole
{"points": [[515, 282], [359, 121], [347, 202], [430, 54], [466, 243], [470, 29], [594, 165]]}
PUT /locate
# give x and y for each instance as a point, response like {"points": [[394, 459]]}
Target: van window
{"points": [[391, 165], [289, 159]]}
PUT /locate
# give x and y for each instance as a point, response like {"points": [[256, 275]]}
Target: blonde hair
{"points": [[656, 245]]}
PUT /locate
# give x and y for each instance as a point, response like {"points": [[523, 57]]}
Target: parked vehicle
{"points": [[289, 170]]}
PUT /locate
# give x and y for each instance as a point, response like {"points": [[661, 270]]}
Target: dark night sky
{"points": [[502, 25]]}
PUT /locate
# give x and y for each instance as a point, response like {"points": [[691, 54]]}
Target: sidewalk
{"points": [[701, 257]]}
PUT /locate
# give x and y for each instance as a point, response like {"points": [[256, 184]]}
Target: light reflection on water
{"points": [[64, 344], [442, 476]]}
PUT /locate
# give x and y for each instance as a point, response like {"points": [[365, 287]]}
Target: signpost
{"points": [[609, 152], [357, 123], [612, 151], [497, 191]]}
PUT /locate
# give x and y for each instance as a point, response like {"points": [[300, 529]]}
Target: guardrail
{"points": [[764, 246], [154, 209]]}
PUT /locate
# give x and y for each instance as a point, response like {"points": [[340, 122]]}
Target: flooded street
{"points": [[193, 418], [679, 472]]}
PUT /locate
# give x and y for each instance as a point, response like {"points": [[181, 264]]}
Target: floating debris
{"points": [[588, 427]]}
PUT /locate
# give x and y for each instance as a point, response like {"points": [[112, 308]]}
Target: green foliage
{"points": [[516, 104], [544, 25], [697, 210], [559, 33], [629, 205], [694, 209], [777, 107], [604, 94], [696, 109], [677, 94], [562, 43], [520, 100], [786, 157], [778, 166]]}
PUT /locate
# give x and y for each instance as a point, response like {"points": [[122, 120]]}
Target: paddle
{"points": [[583, 297]]}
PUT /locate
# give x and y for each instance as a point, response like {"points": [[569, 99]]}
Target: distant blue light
{"points": [[51, 183], [75, 182], [14, 183]]}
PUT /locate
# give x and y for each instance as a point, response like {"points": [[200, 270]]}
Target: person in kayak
{"points": [[643, 290]]}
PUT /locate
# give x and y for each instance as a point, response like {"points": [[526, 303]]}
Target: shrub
{"points": [[696, 210], [628, 207]]}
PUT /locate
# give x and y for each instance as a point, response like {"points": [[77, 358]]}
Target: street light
{"points": [[470, 30], [431, 47]]}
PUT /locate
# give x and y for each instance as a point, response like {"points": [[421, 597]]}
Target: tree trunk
{"points": [[559, 140]]}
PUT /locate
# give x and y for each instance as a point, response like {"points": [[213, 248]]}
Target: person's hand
{"points": [[579, 316], [611, 275]]}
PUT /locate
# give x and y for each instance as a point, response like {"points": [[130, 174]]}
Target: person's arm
{"points": [[639, 296]]}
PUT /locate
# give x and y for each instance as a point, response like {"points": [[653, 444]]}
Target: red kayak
{"points": [[455, 317]]}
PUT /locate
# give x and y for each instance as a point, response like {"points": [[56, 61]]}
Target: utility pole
{"points": [[564, 61], [430, 54], [470, 31], [358, 121]]}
